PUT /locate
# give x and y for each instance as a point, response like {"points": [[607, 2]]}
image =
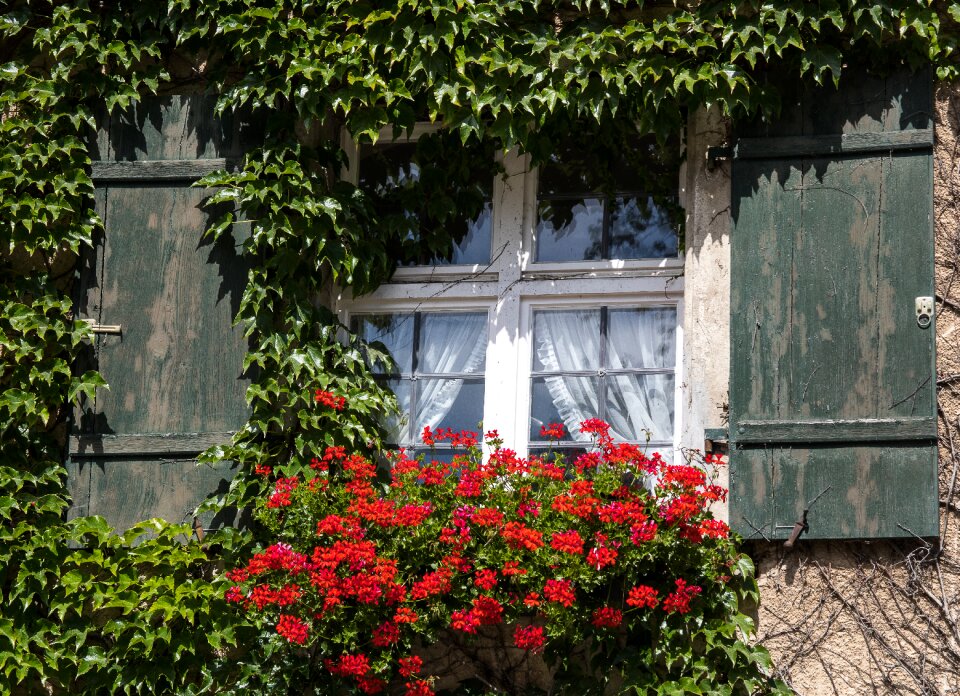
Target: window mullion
{"points": [[601, 372]]}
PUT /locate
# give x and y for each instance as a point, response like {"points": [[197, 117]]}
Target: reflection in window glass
{"points": [[613, 363], [591, 208], [438, 375], [390, 171]]}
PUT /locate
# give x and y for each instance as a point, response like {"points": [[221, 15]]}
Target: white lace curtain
{"points": [[636, 404], [450, 343]]}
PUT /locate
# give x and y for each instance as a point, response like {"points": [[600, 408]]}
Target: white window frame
{"points": [[512, 286]]}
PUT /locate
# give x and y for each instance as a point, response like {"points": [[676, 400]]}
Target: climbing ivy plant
{"points": [[82, 610]]}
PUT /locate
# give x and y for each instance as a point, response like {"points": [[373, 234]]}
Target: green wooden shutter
{"points": [[175, 369], [832, 384]]}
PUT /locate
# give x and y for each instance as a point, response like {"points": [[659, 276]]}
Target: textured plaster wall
{"points": [[706, 336], [881, 618]]}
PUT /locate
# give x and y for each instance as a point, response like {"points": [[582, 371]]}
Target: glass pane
{"points": [[398, 426], [566, 341], [565, 173], [452, 342], [387, 166], [474, 248], [437, 454], [640, 407], [640, 229], [665, 450], [395, 331], [562, 399], [638, 338], [569, 454], [569, 230], [449, 403]]}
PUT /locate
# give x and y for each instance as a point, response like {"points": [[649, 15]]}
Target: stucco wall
{"points": [[881, 618], [705, 190]]}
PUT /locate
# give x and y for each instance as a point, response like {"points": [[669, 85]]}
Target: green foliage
{"points": [[497, 74]]}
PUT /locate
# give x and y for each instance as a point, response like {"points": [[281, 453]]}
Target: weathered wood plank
{"points": [[752, 492], [859, 430], [126, 492], [871, 492], [174, 127], [839, 144], [99, 445], [159, 170], [767, 209], [832, 323], [906, 362]]}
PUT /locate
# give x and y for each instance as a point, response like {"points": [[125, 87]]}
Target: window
{"points": [[527, 335], [439, 363]]}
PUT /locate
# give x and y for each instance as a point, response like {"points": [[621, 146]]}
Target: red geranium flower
{"points": [[529, 638], [607, 617], [642, 596]]}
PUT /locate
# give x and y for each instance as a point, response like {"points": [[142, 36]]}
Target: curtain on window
{"points": [[636, 403], [450, 344]]}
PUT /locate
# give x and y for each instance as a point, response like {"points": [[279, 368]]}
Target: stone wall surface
{"points": [[881, 617]]}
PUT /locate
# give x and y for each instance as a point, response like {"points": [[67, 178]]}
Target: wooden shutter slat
{"points": [[158, 170], [840, 144], [147, 444], [850, 430]]}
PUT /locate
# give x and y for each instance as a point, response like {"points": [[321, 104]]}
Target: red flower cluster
{"points": [[679, 601], [519, 536], [326, 398], [464, 438], [554, 431], [281, 492], [529, 638], [485, 579], [606, 617], [642, 596], [559, 591], [476, 541], [410, 665], [485, 611], [567, 542], [293, 629]]}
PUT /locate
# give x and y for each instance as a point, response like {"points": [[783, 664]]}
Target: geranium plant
{"points": [[610, 568]]}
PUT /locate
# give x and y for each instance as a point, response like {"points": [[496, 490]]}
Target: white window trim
{"points": [[511, 286]]}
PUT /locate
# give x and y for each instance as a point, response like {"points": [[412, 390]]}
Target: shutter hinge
{"points": [[718, 152]]}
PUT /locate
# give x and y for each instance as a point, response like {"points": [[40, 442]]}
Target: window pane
{"points": [[452, 342], [625, 174], [395, 331], [449, 403], [563, 399], [566, 340], [387, 167], [565, 173], [641, 338], [639, 406], [546, 452], [569, 230], [398, 426], [474, 248], [640, 229]]}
